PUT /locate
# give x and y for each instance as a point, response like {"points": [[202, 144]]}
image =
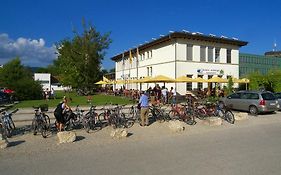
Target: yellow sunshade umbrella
{"points": [[243, 80], [184, 79], [143, 80], [101, 82], [159, 79], [200, 80], [217, 80]]}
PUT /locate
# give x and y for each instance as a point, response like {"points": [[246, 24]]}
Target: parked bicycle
{"points": [[209, 110], [91, 120], [40, 123], [117, 118], [6, 122], [158, 114], [71, 120], [182, 113]]}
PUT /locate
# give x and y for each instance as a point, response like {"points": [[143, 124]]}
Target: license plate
{"points": [[272, 104]]}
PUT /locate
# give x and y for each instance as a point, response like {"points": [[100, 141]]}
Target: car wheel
{"points": [[253, 110]]}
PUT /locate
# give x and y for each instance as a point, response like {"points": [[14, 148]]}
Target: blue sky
{"points": [[30, 28]]}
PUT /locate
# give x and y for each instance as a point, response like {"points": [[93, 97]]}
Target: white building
{"points": [[180, 53], [45, 80]]}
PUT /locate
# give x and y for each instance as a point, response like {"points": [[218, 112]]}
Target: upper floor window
{"points": [[189, 52], [217, 55], [228, 56], [210, 54], [202, 53]]}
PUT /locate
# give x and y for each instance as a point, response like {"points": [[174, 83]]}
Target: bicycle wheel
{"points": [[34, 126], [173, 115], [229, 117], [7, 131], [97, 123], [104, 119], [129, 122], [44, 129], [201, 114], [47, 120]]}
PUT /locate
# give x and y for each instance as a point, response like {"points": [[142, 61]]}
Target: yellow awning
{"points": [[200, 80], [184, 79], [101, 82], [217, 80], [159, 79]]}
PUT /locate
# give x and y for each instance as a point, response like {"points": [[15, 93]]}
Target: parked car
{"points": [[278, 97], [4, 98], [252, 101]]}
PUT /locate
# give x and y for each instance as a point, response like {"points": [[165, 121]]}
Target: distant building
{"points": [[249, 63], [180, 54], [44, 79], [273, 53], [48, 81]]}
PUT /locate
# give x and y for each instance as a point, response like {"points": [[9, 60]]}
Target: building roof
{"points": [[185, 35]]}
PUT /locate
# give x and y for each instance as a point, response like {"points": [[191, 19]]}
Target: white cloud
{"points": [[32, 52]]}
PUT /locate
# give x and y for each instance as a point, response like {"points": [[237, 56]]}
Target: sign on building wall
{"points": [[210, 71]]}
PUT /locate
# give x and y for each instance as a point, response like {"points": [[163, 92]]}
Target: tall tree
{"points": [[79, 58], [15, 76]]}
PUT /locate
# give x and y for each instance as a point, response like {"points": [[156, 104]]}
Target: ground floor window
{"points": [[189, 85], [200, 85]]}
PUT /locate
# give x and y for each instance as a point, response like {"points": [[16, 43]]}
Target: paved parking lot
{"points": [[250, 146]]}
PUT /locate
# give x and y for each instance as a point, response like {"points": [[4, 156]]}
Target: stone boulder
{"points": [[3, 142], [176, 126], [119, 133], [241, 116], [66, 136], [213, 121]]}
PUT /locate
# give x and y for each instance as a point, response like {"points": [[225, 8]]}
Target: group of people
{"points": [[47, 94]]}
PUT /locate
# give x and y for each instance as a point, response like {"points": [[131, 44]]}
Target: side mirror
{"points": [[229, 97]]}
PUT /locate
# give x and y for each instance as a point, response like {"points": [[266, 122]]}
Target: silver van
{"points": [[252, 101]]}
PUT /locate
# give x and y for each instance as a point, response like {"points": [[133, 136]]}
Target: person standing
{"points": [[144, 104], [174, 95], [59, 113], [53, 93], [164, 94]]}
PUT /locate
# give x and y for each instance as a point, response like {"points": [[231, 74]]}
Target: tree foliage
{"points": [[79, 58], [271, 81], [15, 76]]}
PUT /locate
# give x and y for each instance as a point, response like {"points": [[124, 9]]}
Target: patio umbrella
{"points": [[184, 79], [160, 79], [200, 80], [101, 82], [243, 80], [143, 80], [217, 80]]}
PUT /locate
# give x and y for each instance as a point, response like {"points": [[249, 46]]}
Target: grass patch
{"points": [[97, 100]]}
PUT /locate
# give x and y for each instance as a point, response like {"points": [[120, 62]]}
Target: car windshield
{"points": [[278, 95], [268, 96]]}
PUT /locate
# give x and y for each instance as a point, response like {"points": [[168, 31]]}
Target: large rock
{"points": [[66, 136], [213, 121], [241, 116], [176, 126], [3, 142], [119, 133]]}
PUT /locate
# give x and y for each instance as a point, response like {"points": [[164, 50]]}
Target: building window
{"points": [[147, 71], [150, 54], [200, 85], [189, 85], [203, 54], [189, 50], [210, 54], [228, 56], [150, 71], [217, 55], [147, 55]]}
